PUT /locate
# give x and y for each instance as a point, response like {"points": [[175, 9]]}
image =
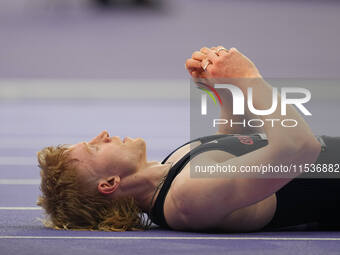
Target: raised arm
{"points": [[226, 113], [286, 146]]}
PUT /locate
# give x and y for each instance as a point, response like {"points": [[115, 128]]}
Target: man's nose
{"points": [[102, 137]]}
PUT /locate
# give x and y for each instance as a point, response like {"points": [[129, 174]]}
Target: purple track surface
{"points": [[27, 126]]}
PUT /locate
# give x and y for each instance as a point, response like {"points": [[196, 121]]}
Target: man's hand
{"points": [[220, 65], [218, 62]]}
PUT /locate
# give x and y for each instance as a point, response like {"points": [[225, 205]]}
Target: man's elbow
{"points": [[310, 149], [306, 149]]}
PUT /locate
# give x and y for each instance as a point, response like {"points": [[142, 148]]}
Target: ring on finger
{"points": [[206, 65], [221, 48]]}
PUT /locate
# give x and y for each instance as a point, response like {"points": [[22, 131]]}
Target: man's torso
{"points": [[248, 218]]}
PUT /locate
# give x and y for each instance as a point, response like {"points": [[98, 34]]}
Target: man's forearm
{"points": [[226, 113], [262, 99]]}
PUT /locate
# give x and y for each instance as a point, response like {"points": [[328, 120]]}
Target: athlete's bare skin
{"points": [[120, 168]]}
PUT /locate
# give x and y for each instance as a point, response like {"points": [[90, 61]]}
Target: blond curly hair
{"points": [[69, 205]]}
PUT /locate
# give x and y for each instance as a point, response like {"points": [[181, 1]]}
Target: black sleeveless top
{"points": [[238, 145]]}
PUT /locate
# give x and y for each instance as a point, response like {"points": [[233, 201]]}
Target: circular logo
{"points": [[246, 140]]}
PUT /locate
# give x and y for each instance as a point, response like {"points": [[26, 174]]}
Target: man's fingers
{"points": [[205, 64], [221, 51], [197, 55], [192, 64], [235, 51], [210, 54], [195, 74]]}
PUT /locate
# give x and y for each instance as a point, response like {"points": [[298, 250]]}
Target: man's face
{"points": [[104, 156]]}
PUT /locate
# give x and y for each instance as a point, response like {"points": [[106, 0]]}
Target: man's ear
{"points": [[108, 185]]}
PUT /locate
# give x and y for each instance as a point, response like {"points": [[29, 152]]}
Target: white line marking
{"points": [[175, 238], [20, 181], [20, 208], [109, 89]]}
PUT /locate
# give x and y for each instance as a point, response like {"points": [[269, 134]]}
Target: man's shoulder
{"points": [[185, 206]]}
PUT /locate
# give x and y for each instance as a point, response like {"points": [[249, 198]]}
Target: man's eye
{"points": [[93, 147]]}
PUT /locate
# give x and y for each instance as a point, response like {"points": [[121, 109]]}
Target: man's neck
{"points": [[143, 184]]}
